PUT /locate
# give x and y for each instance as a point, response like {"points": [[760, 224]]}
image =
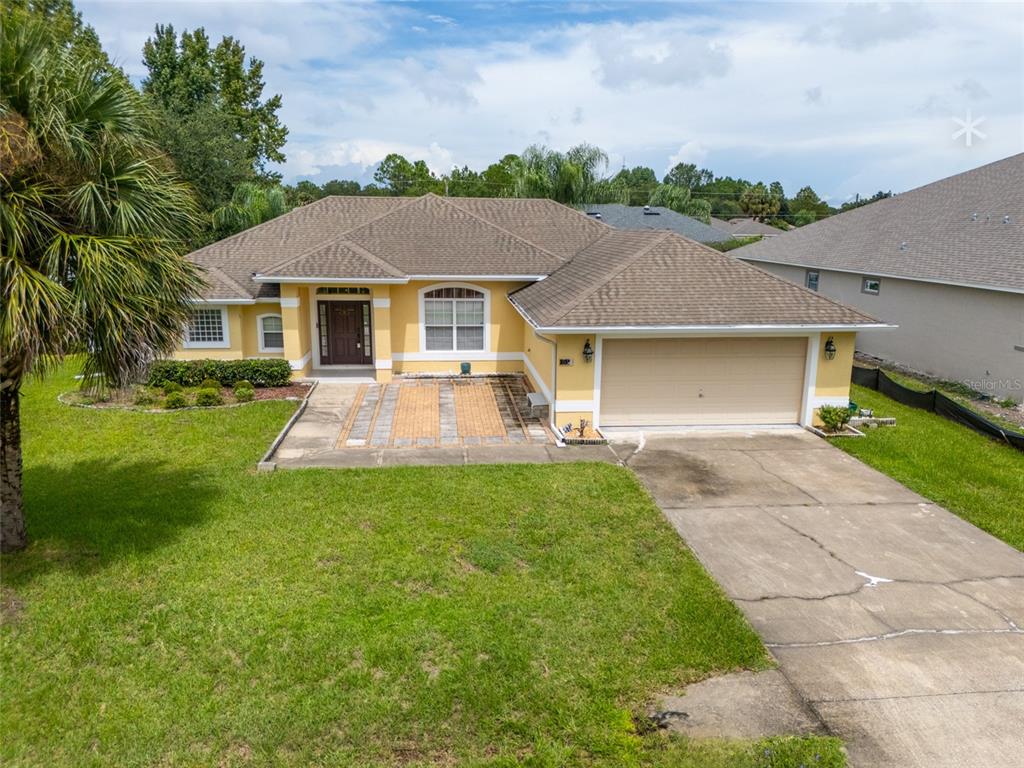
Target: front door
{"points": [[344, 332]]}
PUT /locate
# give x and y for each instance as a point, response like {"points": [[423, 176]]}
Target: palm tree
{"points": [[568, 178], [92, 223], [251, 204]]}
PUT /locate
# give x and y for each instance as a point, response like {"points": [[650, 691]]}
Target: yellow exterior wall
{"points": [[235, 338], [505, 323], [833, 378], [539, 352], [574, 382]]}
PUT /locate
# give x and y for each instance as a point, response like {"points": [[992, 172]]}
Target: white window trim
{"points": [[864, 285], [225, 344], [451, 354], [259, 331]]}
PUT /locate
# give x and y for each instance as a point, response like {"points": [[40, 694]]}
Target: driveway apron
{"points": [[896, 621]]}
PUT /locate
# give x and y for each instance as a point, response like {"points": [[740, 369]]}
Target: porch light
{"points": [[830, 349], [588, 352]]}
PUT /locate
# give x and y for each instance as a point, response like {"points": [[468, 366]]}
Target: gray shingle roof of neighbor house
{"points": [[656, 217], [583, 271], [966, 230]]}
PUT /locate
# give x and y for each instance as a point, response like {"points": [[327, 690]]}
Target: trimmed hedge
{"points": [[262, 372]]}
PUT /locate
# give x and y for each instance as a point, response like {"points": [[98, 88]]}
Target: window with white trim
{"points": [[271, 330], [871, 285], [453, 319], [811, 279], [208, 327]]}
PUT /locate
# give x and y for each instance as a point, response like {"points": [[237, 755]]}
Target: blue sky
{"points": [[847, 98]]}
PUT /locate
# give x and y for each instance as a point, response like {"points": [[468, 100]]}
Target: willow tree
{"points": [[570, 177], [92, 222]]}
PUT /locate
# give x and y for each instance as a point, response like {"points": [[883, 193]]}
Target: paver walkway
{"points": [[426, 413], [898, 622]]}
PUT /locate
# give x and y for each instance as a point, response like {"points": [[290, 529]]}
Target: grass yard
{"points": [[967, 473], [176, 608]]}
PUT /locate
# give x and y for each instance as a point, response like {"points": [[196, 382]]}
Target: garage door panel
{"points": [[702, 381]]}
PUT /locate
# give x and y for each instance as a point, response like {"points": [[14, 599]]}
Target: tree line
{"points": [[579, 177]]}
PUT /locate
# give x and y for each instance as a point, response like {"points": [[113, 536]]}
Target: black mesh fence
{"points": [[935, 402]]}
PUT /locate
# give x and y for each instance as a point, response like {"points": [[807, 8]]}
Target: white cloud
{"points": [[730, 91], [366, 153], [690, 152], [865, 25], [656, 54], [972, 89]]}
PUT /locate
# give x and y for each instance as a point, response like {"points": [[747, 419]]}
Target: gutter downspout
{"points": [[554, 385]]}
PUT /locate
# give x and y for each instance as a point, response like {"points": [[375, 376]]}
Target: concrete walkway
{"points": [[896, 621], [417, 421]]}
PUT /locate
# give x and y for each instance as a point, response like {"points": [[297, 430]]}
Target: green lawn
{"points": [[967, 473], [177, 608]]}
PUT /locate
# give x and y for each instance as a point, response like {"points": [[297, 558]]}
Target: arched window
{"points": [[271, 333], [453, 319]]}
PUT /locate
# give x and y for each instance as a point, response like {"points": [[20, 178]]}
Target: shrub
{"points": [[244, 394], [208, 396], [243, 384], [209, 384], [834, 417], [176, 400], [144, 396], [260, 372], [171, 386]]}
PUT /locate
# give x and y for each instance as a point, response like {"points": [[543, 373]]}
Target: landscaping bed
{"points": [[145, 398], [175, 607]]}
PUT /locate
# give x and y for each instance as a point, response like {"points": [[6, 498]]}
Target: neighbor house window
{"points": [[208, 327], [271, 330], [453, 319], [870, 285], [811, 279]]}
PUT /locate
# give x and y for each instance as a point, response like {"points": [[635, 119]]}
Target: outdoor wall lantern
{"points": [[588, 351], [830, 349]]}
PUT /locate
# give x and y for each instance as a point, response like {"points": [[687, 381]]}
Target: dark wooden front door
{"points": [[344, 332]]}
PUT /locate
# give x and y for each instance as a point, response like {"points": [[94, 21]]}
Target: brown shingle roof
{"points": [[639, 279], [943, 242], [596, 275], [290, 235], [434, 236]]}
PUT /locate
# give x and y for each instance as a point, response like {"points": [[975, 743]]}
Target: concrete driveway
{"points": [[896, 621]]}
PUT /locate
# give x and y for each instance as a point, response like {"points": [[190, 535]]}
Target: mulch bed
{"points": [[297, 391], [125, 398]]}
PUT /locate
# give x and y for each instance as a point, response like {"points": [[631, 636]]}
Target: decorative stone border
{"points": [[848, 431]]}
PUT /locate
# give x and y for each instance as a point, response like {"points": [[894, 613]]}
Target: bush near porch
{"points": [[177, 608], [261, 372]]}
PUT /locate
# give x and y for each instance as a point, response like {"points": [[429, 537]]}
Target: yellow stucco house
{"points": [[618, 327]]}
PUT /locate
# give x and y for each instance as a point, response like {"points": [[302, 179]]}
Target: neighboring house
{"points": [[617, 327], [945, 262], [746, 227], [656, 217]]}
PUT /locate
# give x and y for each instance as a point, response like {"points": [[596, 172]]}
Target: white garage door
{"points": [[701, 381]]}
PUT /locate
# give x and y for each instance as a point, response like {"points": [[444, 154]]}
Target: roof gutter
{"points": [[223, 301], [257, 278], [796, 328]]}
